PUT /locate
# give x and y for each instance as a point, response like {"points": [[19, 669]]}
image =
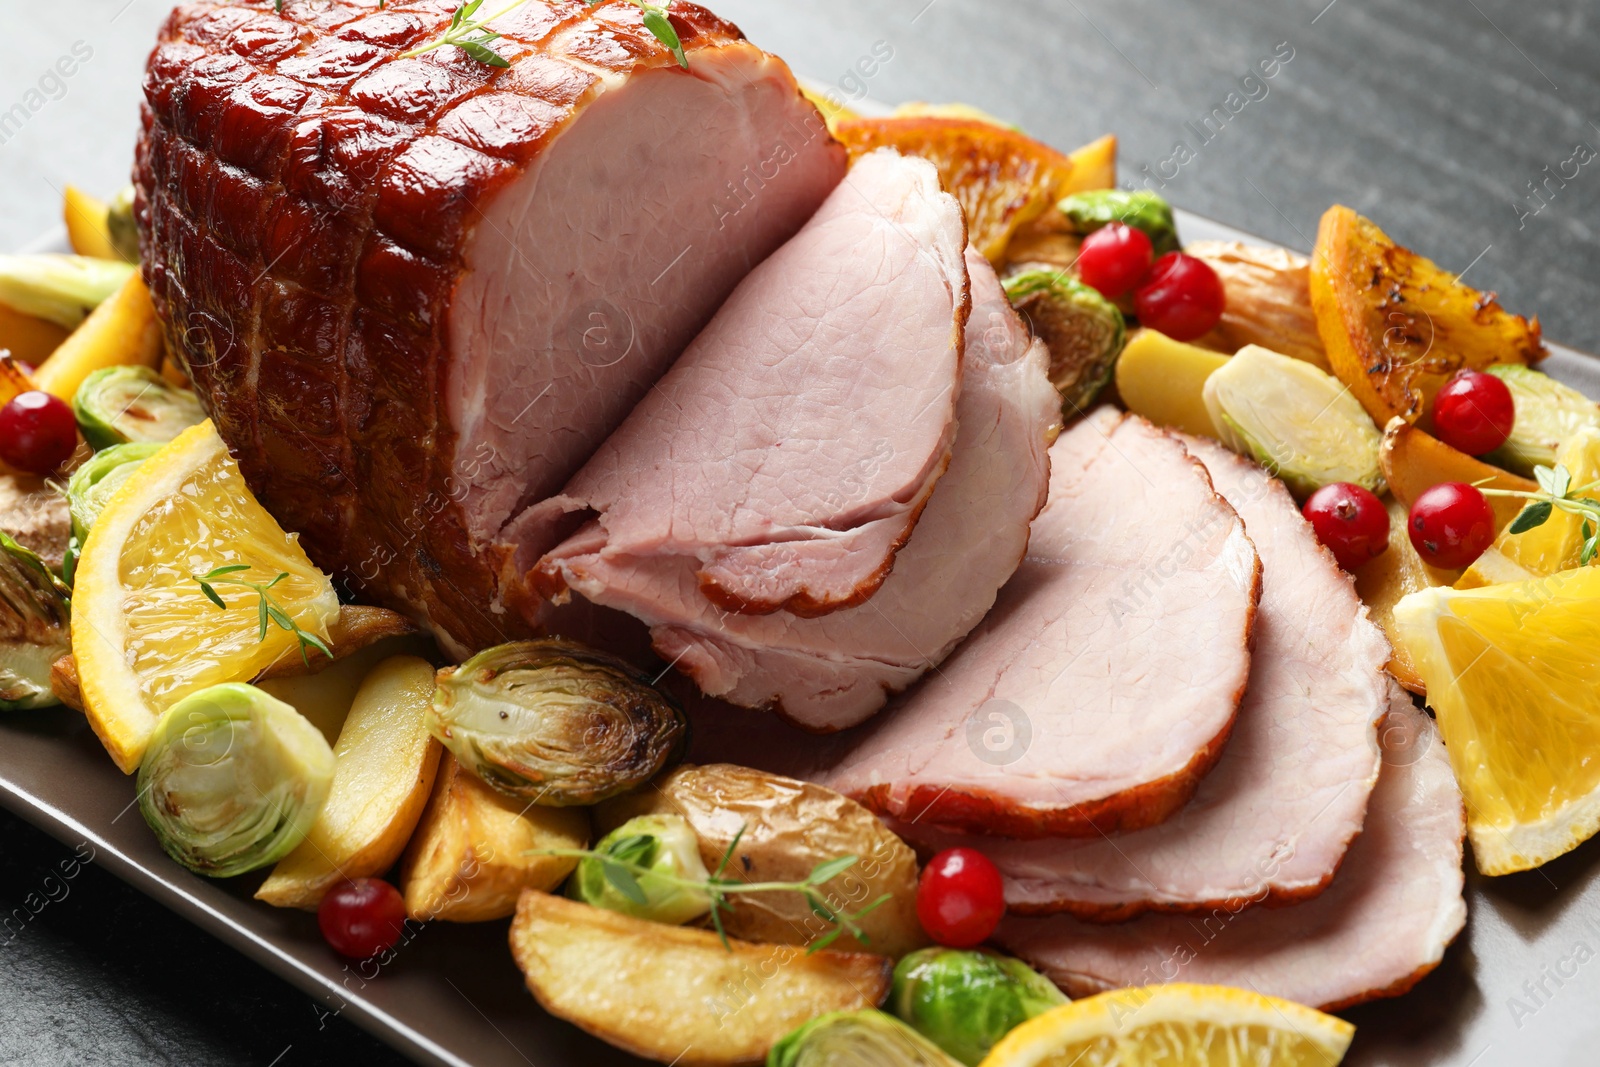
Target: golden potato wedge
{"points": [[1413, 462], [1094, 166], [326, 697], [1164, 380], [1396, 326], [675, 994], [122, 331], [466, 861], [383, 772], [1382, 581], [28, 338], [789, 828], [1269, 300], [85, 217]]}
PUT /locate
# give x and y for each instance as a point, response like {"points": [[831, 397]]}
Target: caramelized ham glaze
{"points": [[415, 294]]}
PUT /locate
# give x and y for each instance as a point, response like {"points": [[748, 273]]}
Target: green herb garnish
{"points": [[625, 860], [472, 35], [268, 609], [1556, 493]]}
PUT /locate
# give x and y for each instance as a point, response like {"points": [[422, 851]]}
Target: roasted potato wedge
{"points": [[466, 861], [1269, 300], [1396, 326], [675, 994], [789, 828], [122, 331], [1381, 583], [28, 338], [1164, 380], [1414, 462], [384, 765], [85, 217]]}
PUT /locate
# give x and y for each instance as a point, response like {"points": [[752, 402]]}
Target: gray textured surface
{"points": [[1430, 115]]}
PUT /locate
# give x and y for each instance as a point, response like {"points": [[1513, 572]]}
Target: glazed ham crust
{"points": [[325, 225]]}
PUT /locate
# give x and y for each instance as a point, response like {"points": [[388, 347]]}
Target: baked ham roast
{"points": [[416, 294], [786, 457], [1102, 686], [1380, 926], [831, 672], [1271, 823]]}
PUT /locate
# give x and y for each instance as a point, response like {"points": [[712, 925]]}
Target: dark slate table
{"points": [[1449, 121]]}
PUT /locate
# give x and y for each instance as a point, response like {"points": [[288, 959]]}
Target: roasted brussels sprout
{"points": [[1139, 208], [118, 405], [1548, 413], [556, 722], [856, 1039], [61, 289], [92, 484], [120, 225], [34, 618], [1083, 330], [233, 779], [1297, 421], [667, 845], [966, 1001]]}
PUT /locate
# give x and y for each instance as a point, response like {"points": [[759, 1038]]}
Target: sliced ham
{"points": [[1270, 824], [416, 294], [1382, 924], [790, 451], [832, 672], [1101, 688]]}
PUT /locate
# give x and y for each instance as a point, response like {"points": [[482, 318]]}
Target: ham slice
{"points": [[832, 672], [1101, 688], [1270, 824], [416, 293], [792, 448], [1382, 924]]}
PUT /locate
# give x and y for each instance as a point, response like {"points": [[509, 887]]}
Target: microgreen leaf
{"points": [[825, 940], [727, 857], [827, 872], [1531, 517], [211, 595], [268, 611], [216, 572], [464, 25], [625, 882]]}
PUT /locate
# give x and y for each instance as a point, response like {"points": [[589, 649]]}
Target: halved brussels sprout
{"points": [[667, 845], [966, 1001], [556, 722], [1139, 208], [1294, 419], [35, 615], [62, 289], [233, 779], [1083, 330], [1547, 413], [118, 405], [91, 485], [120, 225], [856, 1039]]}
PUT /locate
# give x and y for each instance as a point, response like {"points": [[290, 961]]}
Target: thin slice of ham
{"points": [[1382, 924], [832, 672], [792, 448], [1101, 688], [1272, 822]]}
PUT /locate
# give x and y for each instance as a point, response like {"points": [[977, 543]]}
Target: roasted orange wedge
{"points": [[1003, 178], [1396, 325]]}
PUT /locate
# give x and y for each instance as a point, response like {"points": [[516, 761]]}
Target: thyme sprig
{"points": [[1556, 493], [268, 609], [624, 862], [472, 35]]}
